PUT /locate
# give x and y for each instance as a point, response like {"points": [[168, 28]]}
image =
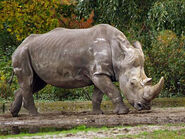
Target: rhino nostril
{"points": [[139, 105]]}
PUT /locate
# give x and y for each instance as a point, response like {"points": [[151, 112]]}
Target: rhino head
{"points": [[128, 65]]}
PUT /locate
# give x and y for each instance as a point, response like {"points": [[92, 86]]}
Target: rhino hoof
{"points": [[97, 112], [34, 114], [124, 110], [14, 114]]}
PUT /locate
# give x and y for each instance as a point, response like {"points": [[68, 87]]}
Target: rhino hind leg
{"points": [[17, 103], [105, 84], [25, 75], [96, 101], [38, 84]]}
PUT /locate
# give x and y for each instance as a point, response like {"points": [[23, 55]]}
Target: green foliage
{"points": [[129, 15], [8, 43], [6, 91], [111, 12], [166, 57], [167, 14], [55, 93], [25, 17]]}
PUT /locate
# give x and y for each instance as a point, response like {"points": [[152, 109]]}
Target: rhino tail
{"points": [[11, 78]]}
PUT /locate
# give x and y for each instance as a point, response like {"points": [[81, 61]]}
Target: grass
{"points": [[169, 102], [157, 134], [81, 128], [87, 105]]}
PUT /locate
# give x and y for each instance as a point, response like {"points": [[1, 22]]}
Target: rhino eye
{"points": [[133, 82]]}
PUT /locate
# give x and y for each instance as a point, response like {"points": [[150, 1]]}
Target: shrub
{"points": [[23, 18], [8, 43], [167, 14], [166, 57], [6, 91], [60, 94]]}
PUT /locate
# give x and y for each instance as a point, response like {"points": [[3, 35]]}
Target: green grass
{"points": [[169, 102], [71, 131]]}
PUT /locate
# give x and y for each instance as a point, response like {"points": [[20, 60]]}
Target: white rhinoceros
{"points": [[73, 58]]}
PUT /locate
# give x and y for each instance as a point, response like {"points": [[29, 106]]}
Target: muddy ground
{"points": [[110, 133], [67, 120], [74, 114]]}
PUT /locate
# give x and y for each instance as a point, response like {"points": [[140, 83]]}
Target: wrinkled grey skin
{"points": [[73, 58]]}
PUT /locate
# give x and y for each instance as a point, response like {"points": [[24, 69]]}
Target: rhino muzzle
{"points": [[142, 106]]}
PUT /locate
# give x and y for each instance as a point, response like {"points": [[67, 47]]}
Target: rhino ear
{"points": [[147, 81], [137, 45]]}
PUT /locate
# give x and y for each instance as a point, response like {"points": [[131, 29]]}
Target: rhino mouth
{"points": [[142, 106]]}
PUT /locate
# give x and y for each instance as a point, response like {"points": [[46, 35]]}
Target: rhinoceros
{"points": [[74, 58]]}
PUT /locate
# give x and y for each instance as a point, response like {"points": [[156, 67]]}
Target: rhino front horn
{"points": [[150, 92]]}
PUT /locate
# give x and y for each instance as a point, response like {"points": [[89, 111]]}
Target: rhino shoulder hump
{"points": [[110, 30]]}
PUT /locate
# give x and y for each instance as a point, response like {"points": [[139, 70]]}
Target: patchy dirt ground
{"points": [[116, 132], [67, 120]]}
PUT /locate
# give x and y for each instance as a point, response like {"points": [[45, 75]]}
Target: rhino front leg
{"points": [[96, 101], [16, 105], [105, 84]]}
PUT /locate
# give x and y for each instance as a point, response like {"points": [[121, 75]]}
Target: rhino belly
{"points": [[66, 81], [69, 83], [62, 75]]}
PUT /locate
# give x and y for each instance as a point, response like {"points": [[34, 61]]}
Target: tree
{"points": [[22, 17]]}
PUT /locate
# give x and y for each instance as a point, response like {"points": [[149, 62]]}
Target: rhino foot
{"points": [[120, 109], [17, 103], [34, 113], [32, 109], [14, 111], [97, 112], [14, 114]]}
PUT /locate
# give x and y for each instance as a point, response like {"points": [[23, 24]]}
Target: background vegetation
{"points": [[158, 24]]}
